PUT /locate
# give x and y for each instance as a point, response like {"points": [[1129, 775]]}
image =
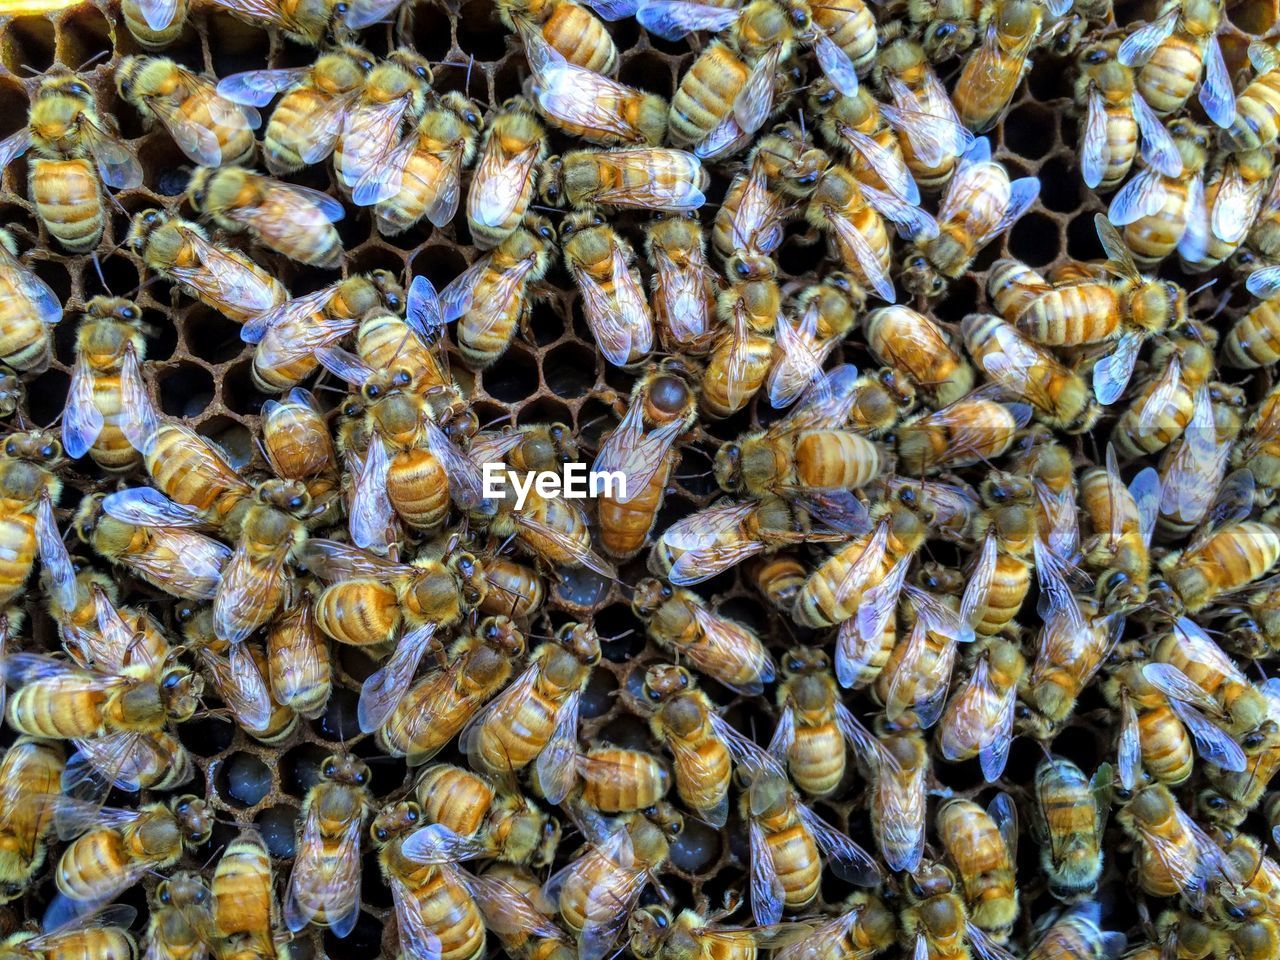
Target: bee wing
{"points": [[705, 551], [318, 131], [332, 562], [291, 311], [994, 752], [800, 364], [901, 801], [507, 910], [1145, 491], [1194, 243], [1199, 649], [737, 652], [1111, 373], [241, 686], [608, 907], [676, 19], [499, 184], [866, 258], [583, 98], [673, 185], [1129, 746], [931, 138], [1235, 206], [340, 867], [1212, 743], [371, 510], [581, 554], [437, 844], [556, 763], [1158, 148], [466, 485], [853, 652], [383, 178], [983, 946], [73, 816], [1142, 196], [417, 939], [343, 364], [755, 223], [887, 164], [117, 166], [754, 102], [989, 67], [140, 420], [42, 299], [878, 603], [836, 65], [611, 320], [687, 308], [291, 217], [1233, 502], [66, 918], [148, 507], [1182, 855], [365, 13], [53, 554], [767, 893], [847, 860], [382, 692], [203, 559], [110, 647], [199, 143], [117, 761], [912, 222], [746, 753], [219, 277], [1140, 45], [1195, 471], [861, 570], [256, 88], [369, 135], [457, 297], [739, 357], [826, 402], [1216, 93], [248, 593], [616, 9], [1156, 405], [980, 577], [784, 735], [14, 146]]}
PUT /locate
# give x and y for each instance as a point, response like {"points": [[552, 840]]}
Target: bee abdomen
{"points": [[817, 759], [69, 201], [418, 489], [89, 863], [1255, 339], [58, 708], [580, 37], [625, 527], [1257, 120], [705, 94], [798, 864], [358, 613], [1167, 79]]}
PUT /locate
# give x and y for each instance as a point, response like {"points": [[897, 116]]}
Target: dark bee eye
{"points": [[742, 269], [295, 503], [1095, 56], [366, 65], [421, 71], [172, 680], [373, 391], [1216, 803], [129, 313], [403, 377], [491, 631], [944, 30], [201, 895], [381, 833], [393, 301], [411, 816], [340, 9], [807, 179], [195, 836], [165, 896], [11, 448], [330, 769], [916, 890], [151, 216], [183, 806], [361, 777], [546, 233]]}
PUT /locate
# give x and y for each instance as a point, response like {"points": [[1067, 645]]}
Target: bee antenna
{"points": [[97, 267], [104, 52]]}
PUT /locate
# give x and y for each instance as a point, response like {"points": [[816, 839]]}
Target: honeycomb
{"points": [[199, 370]]}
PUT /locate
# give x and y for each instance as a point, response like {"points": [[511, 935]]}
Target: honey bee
{"points": [[753, 215], [296, 442], [982, 846], [1164, 406], [742, 354], [968, 431], [298, 664], [222, 279], [777, 578], [584, 103], [31, 769], [510, 827], [1257, 120], [1069, 650], [934, 922], [305, 124], [76, 152], [1160, 214], [703, 745], [614, 780], [324, 887], [1248, 343], [655, 934], [1130, 308], [1233, 794], [596, 893], [992, 72], [434, 710], [1173, 51], [247, 917], [603, 266], [390, 103], [291, 220], [824, 313], [1077, 934], [1258, 449], [114, 849], [859, 127], [238, 675], [30, 312], [534, 936], [1227, 556], [917, 349], [679, 620], [682, 285], [312, 21], [502, 187], [1070, 814], [28, 488], [981, 203], [12, 391], [155, 23], [1234, 191], [536, 717], [109, 349], [515, 589], [422, 175], [568, 28], [491, 298], [1121, 520], [647, 178], [1117, 118], [181, 922], [154, 539], [1174, 855], [102, 933], [209, 129], [978, 719]]}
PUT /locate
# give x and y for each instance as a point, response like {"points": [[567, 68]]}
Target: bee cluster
{"points": [[941, 629]]}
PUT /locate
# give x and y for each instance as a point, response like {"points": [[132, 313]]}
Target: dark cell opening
{"points": [[242, 779], [186, 389], [30, 46], [513, 377], [570, 370]]}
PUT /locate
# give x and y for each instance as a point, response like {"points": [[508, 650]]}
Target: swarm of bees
{"points": [[925, 596]]}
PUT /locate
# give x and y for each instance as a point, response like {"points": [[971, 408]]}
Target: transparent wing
{"points": [[382, 692], [1158, 148], [82, 421], [1216, 93], [1140, 45], [257, 88], [676, 19], [1142, 196], [1111, 373], [371, 510]]}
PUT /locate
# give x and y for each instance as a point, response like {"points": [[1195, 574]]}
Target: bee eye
{"points": [[361, 777], [421, 72], [195, 836], [411, 816], [11, 448], [165, 896], [373, 391], [330, 769], [393, 301], [403, 377], [381, 833], [151, 216], [742, 269], [652, 694], [944, 30], [366, 65], [295, 503]]}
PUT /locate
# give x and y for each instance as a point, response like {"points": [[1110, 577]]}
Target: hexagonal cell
{"points": [[697, 847], [338, 722], [430, 28], [240, 46], [650, 72], [238, 390], [211, 336], [233, 437], [242, 779], [186, 389], [13, 107], [300, 768], [480, 33], [278, 826], [569, 370], [1034, 240], [47, 396], [28, 45], [597, 699], [84, 39], [365, 938], [166, 169], [545, 410], [207, 736], [513, 377]]}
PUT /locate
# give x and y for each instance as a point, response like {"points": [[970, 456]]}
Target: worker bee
{"points": [[31, 311], [298, 665], [568, 28], [753, 214], [223, 279], [613, 779], [1164, 405], [656, 934], [1172, 52], [1069, 817], [291, 220], [982, 846], [28, 488], [968, 431], [102, 933], [305, 124], [1234, 191], [789, 845], [992, 72], [515, 589], [209, 129], [154, 539], [584, 103], [703, 745], [536, 717], [915, 347], [390, 103], [1233, 794], [1129, 308], [858, 127], [502, 187], [1160, 214], [603, 266], [491, 298], [1121, 521], [1069, 650], [1248, 343], [978, 719], [534, 935], [1076, 933], [113, 849], [296, 442], [247, 917], [312, 21], [324, 887], [1117, 118], [864, 928], [1174, 855], [823, 313], [981, 203], [648, 178], [1257, 121], [934, 921], [682, 286], [679, 620], [155, 23], [238, 673], [76, 152], [181, 923], [429, 714], [510, 827], [31, 769], [1258, 449], [742, 354]]}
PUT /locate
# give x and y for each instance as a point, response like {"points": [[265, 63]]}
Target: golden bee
{"points": [[778, 578], [77, 151], [31, 769], [1258, 449], [1235, 189], [109, 350], [934, 921], [247, 916], [181, 922], [30, 312], [223, 279], [534, 936], [102, 934], [991, 73], [858, 127], [1119, 521], [1174, 855], [982, 846], [324, 887], [1163, 406], [1068, 653], [298, 663], [567, 27], [703, 745], [978, 719], [155, 23], [915, 347], [1233, 794], [759, 200], [515, 589], [510, 827], [811, 732], [1069, 816], [971, 430], [614, 780], [682, 288], [393, 98], [821, 316], [1249, 343], [513, 148], [113, 850], [1221, 559], [291, 220], [648, 178], [297, 444], [656, 934], [742, 354], [209, 129], [305, 124], [1257, 119], [1077, 934], [29, 487]]}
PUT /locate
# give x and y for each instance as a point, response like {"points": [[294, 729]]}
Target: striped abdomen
{"points": [[68, 199], [1257, 122], [706, 94], [1254, 341], [1072, 315], [817, 758], [625, 527], [1009, 585], [418, 489], [359, 612], [1155, 237], [1167, 79], [580, 37]]}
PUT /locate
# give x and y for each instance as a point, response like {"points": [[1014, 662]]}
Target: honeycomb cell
{"points": [[240, 46], [277, 826], [697, 847], [47, 395], [238, 390], [1060, 185], [28, 46], [479, 32], [206, 736], [430, 27], [597, 699], [514, 377], [1034, 240], [243, 778], [83, 40], [166, 169], [232, 436], [211, 336], [570, 370], [581, 589], [13, 106], [186, 389], [300, 768], [545, 410], [365, 938], [339, 721]]}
